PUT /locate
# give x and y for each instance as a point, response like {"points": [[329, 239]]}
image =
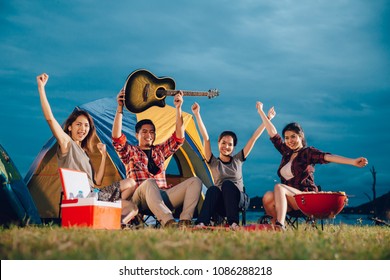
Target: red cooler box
{"points": [[90, 212]]}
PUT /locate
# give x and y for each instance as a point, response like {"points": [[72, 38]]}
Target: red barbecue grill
{"points": [[321, 205]]}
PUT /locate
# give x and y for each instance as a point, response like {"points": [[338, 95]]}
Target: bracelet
{"points": [[121, 112]]}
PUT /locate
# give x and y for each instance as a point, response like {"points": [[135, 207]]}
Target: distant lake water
{"points": [[349, 219]]}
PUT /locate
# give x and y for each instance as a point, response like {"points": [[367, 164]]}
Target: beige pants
{"points": [[187, 193]]}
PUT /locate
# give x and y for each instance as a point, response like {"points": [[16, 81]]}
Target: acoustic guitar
{"points": [[144, 90]]}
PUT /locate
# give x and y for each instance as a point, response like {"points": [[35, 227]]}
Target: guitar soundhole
{"points": [[160, 92]]}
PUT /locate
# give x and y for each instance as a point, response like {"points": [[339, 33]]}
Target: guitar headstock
{"points": [[212, 93]]}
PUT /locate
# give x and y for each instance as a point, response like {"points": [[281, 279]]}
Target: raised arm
{"points": [[117, 125], [268, 124], [358, 162], [178, 102], [203, 131], [100, 173], [63, 139], [251, 142]]}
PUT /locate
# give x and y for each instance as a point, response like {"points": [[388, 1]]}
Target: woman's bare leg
{"points": [[129, 209], [269, 205], [282, 194]]}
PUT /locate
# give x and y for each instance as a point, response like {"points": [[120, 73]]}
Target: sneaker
{"points": [[266, 219], [279, 226], [200, 226], [126, 219], [234, 226], [185, 223], [171, 224]]}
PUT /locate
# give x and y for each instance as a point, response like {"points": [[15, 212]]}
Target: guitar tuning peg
{"points": [[213, 93]]}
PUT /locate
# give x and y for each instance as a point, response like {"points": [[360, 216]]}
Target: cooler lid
{"points": [[74, 181]]}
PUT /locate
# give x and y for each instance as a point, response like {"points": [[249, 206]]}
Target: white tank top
{"points": [[286, 172]]}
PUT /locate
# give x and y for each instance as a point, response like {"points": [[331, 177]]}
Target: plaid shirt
{"points": [[136, 161], [302, 166]]}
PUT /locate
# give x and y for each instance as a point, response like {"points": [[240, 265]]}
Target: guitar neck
{"points": [[171, 92]]}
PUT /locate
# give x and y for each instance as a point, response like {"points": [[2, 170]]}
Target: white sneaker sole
{"points": [[129, 216]]}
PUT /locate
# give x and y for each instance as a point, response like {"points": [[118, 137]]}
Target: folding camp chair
{"points": [[243, 216], [293, 217], [147, 218], [243, 211]]}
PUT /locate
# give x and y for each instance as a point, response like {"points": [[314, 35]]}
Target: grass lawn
{"points": [[341, 242]]}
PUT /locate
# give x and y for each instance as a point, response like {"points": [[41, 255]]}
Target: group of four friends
{"points": [[146, 185]]}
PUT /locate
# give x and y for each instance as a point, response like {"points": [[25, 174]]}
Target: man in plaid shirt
{"points": [[145, 164]]}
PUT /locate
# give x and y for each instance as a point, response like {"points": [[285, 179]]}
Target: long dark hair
{"points": [[86, 144], [228, 133], [295, 127]]}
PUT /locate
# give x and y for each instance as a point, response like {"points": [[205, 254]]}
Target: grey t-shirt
{"points": [[76, 159], [228, 171]]}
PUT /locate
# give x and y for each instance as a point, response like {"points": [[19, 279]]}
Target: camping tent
{"points": [[16, 204], [43, 180]]}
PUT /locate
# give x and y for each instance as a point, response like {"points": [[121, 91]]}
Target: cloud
{"points": [[324, 64]]}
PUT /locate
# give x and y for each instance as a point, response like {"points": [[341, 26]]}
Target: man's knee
{"points": [[147, 188], [149, 184], [194, 184]]}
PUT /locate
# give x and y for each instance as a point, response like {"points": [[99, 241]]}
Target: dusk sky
{"points": [[324, 64]]}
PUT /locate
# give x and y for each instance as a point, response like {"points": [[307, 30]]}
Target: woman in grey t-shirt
{"points": [[223, 198], [74, 143]]}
